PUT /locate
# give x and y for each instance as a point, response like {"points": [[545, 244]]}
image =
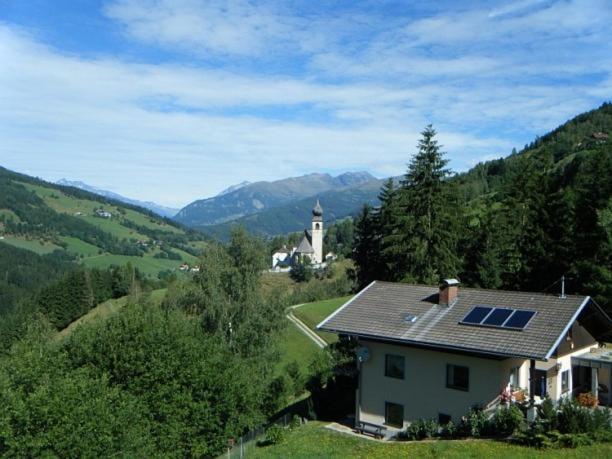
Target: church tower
{"points": [[317, 232]]}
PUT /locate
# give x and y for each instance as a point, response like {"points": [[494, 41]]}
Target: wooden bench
{"points": [[372, 429]]}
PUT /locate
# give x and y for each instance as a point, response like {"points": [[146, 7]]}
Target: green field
{"points": [[33, 245], [78, 247], [296, 347], [315, 441], [313, 313], [145, 264]]}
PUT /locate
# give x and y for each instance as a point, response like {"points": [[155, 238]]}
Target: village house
{"points": [[432, 353], [102, 213]]}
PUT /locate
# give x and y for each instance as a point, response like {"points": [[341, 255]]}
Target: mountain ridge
{"points": [[163, 211], [260, 196]]}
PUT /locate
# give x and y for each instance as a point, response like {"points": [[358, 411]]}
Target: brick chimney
{"points": [[449, 290]]}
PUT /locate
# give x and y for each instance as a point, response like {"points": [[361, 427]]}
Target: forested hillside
{"points": [[98, 232], [516, 223]]}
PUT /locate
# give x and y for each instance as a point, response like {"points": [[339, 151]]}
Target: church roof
{"points": [[317, 211], [304, 246]]}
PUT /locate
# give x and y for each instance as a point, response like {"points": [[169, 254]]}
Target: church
{"points": [[309, 248]]}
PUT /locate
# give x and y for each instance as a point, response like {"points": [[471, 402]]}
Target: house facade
{"points": [[429, 353]]}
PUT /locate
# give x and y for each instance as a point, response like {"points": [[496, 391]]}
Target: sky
{"points": [[174, 100]]}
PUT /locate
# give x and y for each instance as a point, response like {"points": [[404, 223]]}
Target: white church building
{"points": [[309, 248]]}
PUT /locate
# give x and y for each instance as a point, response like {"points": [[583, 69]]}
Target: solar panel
{"points": [[498, 317], [487, 316], [476, 315], [519, 319]]}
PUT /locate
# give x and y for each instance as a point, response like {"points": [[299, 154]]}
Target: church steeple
{"points": [[317, 232]]}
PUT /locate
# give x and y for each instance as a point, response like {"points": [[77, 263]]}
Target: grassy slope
{"points": [[90, 254], [296, 347], [313, 313], [315, 441], [34, 245]]}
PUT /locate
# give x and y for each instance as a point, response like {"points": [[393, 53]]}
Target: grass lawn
{"points": [[295, 346], [33, 245], [315, 441], [313, 313]]}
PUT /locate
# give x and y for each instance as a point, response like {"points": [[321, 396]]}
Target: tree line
{"points": [[519, 223]]}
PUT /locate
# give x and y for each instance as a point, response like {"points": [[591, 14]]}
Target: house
{"points": [[427, 352], [310, 246], [103, 213], [282, 256]]}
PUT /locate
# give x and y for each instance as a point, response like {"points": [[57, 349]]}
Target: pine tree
{"points": [[365, 249], [426, 229]]}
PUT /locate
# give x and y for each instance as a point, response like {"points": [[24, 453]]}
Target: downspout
{"points": [[531, 415]]}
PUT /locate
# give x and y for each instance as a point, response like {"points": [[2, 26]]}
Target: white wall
{"points": [[423, 391]]}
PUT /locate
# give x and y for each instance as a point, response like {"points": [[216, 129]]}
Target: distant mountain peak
{"points": [[250, 198], [232, 188]]}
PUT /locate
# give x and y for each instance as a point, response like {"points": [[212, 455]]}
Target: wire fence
{"points": [[242, 447]]}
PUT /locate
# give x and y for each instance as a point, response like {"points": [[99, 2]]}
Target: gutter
{"points": [[435, 346]]}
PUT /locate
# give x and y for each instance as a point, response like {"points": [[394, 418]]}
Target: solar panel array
{"points": [[487, 316]]}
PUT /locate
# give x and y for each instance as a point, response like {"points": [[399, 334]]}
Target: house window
{"points": [[565, 381], [457, 377], [444, 419], [514, 378], [394, 366], [394, 414]]}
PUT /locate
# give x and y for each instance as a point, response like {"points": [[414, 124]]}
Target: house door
{"points": [[540, 383]]}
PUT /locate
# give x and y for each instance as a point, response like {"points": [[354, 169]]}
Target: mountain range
{"points": [[152, 206], [282, 197]]}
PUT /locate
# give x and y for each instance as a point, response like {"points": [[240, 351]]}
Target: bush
{"points": [[477, 423], [547, 414], [573, 418], [274, 435], [421, 429], [449, 430], [507, 420]]}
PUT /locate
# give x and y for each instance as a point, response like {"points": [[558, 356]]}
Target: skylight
{"points": [[486, 316]]}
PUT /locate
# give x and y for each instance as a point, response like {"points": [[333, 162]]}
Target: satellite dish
{"points": [[363, 354]]}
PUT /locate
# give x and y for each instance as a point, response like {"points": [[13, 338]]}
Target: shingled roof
{"points": [[379, 312]]}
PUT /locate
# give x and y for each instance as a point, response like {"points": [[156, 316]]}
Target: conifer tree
{"points": [[365, 249], [427, 242]]}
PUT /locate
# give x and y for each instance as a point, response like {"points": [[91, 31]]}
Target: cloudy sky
{"points": [[172, 100]]}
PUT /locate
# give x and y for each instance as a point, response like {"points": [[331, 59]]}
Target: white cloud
{"points": [[488, 80]]}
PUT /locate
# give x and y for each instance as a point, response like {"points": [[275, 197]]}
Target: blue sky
{"points": [[173, 100]]}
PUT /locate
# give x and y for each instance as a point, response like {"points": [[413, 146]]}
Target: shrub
{"points": [[420, 429], [507, 420], [449, 430], [573, 418], [547, 414], [274, 435], [477, 423]]}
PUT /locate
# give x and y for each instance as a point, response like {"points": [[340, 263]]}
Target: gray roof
{"points": [[304, 246], [378, 312]]}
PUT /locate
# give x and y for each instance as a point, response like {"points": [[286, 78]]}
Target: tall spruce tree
{"points": [[386, 221], [428, 237], [365, 247]]}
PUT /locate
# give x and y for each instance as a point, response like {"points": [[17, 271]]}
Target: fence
{"points": [[241, 447]]}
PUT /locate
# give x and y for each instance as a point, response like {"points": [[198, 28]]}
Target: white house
{"points": [[429, 352], [103, 213]]}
